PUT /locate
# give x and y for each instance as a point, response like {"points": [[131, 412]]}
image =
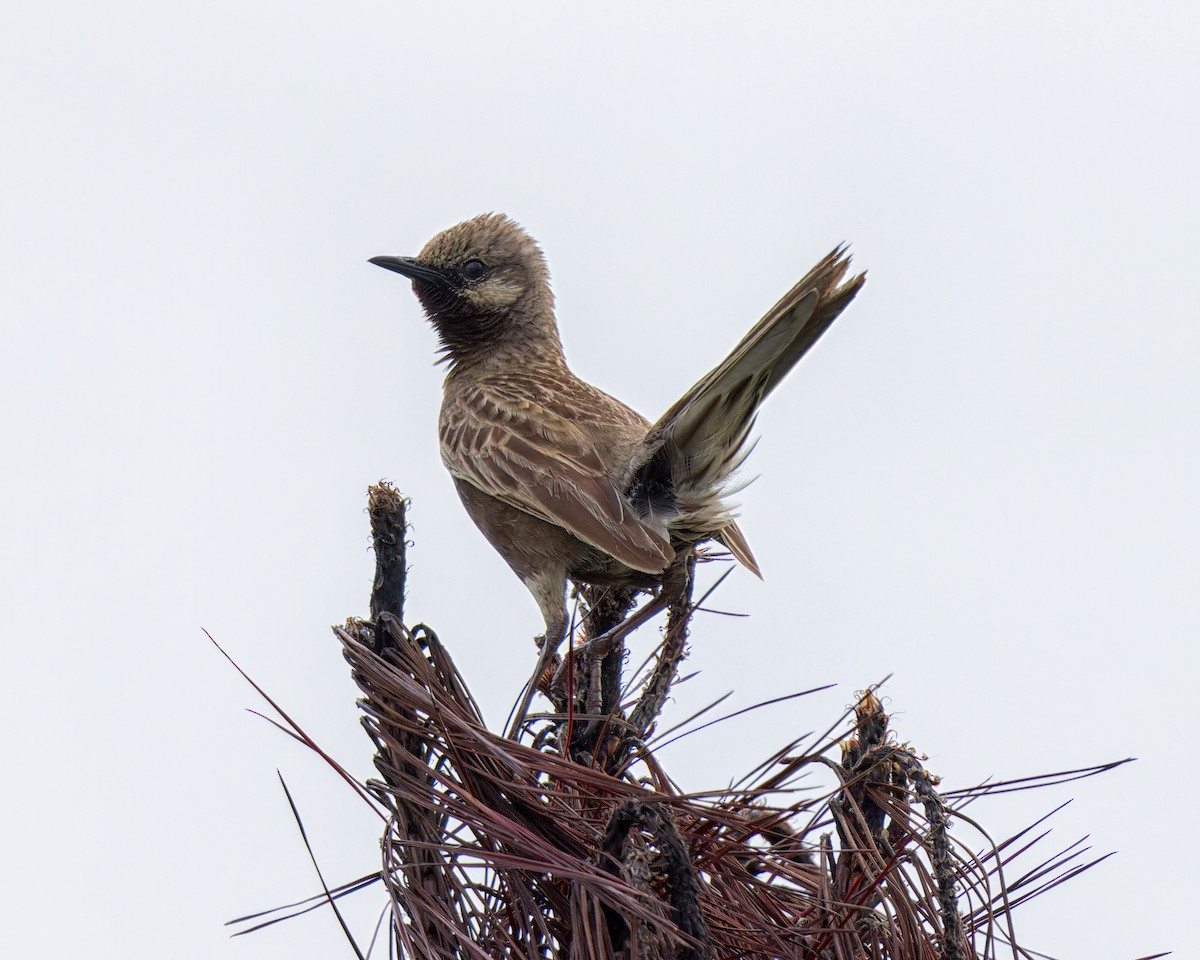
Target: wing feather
{"points": [[533, 460]]}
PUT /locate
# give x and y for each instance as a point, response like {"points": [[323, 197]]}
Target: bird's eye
{"points": [[474, 270]]}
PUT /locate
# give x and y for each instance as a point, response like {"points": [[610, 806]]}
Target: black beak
{"points": [[408, 267]]}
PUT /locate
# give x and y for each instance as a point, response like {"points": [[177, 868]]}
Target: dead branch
{"points": [[573, 842]]}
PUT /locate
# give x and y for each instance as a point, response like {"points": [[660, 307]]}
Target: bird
{"points": [[565, 481]]}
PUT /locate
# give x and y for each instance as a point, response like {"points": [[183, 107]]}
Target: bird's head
{"points": [[483, 284]]}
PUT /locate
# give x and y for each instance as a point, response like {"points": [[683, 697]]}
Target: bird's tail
{"points": [[695, 446]]}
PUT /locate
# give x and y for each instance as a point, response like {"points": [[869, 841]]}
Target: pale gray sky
{"points": [[983, 479]]}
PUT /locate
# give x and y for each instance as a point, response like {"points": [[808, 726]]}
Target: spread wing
{"points": [[549, 463]]}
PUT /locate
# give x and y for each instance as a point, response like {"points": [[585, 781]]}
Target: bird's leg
{"points": [[550, 591], [550, 642], [594, 704], [549, 649], [609, 648], [606, 607], [605, 655], [605, 643]]}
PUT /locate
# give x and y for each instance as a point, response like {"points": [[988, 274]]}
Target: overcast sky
{"points": [[982, 481]]}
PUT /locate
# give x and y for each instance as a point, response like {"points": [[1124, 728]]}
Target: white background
{"points": [[983, 479]]}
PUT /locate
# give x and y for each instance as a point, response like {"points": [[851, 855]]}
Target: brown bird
{"points": [[567, 482]]}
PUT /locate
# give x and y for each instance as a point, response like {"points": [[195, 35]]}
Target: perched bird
{"points": [[567, 482]]}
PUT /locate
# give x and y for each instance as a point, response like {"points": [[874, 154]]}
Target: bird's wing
{"points": [[544, 462]]}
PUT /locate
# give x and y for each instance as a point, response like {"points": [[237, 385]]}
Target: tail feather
{"points": [[834, 297], [703, 437], [735, 543]]}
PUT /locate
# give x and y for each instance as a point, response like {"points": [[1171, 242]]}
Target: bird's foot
{"points": [[600, 646], [541, 680]]}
